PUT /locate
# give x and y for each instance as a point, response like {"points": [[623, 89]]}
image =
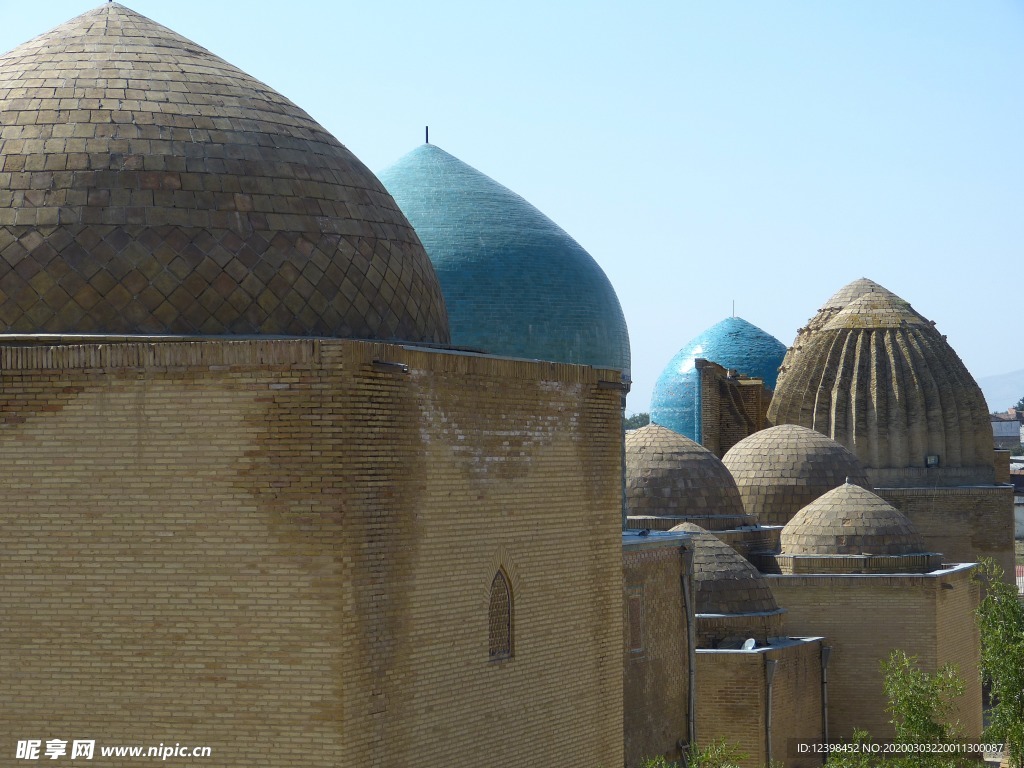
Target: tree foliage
{"points": [[920, 704], [717, 754], [1001, 622], [637, 420]]}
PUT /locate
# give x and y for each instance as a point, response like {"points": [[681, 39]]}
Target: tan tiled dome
{"points": [[734, 598], [879, 379], [850, 520], [668, 475], [782, 469], [147, 186]]}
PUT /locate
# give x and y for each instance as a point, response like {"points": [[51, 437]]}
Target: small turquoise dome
{"points": [[514, 282], [733, 343]]}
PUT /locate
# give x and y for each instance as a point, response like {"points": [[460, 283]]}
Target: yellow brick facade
{"points": [[865, 618], [732, 701], [283, 551], [965, 524], [656, 657]]}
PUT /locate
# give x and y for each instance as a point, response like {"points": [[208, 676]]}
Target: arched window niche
{"points": [[499, 618]]}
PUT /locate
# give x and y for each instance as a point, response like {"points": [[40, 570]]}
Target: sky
{"points": [[704, 153]]}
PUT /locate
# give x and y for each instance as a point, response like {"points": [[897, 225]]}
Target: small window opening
{"points": [[499, 634]]}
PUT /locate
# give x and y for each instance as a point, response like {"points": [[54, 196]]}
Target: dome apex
{"points": [[156, 189]]}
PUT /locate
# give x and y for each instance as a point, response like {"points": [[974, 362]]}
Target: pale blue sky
{"points": [[762, 152]]}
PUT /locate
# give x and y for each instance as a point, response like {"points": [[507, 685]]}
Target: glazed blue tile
{"points": [[733, 343], [514, 282]]}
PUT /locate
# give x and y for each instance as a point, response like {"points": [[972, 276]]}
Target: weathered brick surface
{"points": [[732, 701], [277, 550], [964, 524], [656, 674], [865, 618]]}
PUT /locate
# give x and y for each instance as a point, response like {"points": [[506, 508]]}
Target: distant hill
{"points": [[1003, 390]]}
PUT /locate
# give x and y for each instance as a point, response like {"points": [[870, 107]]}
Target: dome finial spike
{"points": [[426, 130]]}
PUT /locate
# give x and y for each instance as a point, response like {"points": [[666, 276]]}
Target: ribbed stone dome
{"points": [[836, 303], [149, 187], [780, 470], [514, 282], [879, 379], [668, 475], [850, 520], [732, 343]]}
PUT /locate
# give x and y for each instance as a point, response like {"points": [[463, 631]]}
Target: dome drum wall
{"points": [[925, 562], [879, 379], [149, 187]]}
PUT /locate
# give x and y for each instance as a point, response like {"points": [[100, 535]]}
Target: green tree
{"points": [[717, 754], [637, 420], [920, 704], [1001, 622], [1020, 404]]}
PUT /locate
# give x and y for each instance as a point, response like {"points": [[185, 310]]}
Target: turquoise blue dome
{"points": [[514, 282], [733, 343]]}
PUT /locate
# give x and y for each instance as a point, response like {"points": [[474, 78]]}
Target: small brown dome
{"points": [[668, 475], [851, 520], [149, 187], [724, 581], [879, 379], [782, 469]]}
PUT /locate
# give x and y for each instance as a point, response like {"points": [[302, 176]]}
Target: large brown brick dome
{"points": [[149, 187]]}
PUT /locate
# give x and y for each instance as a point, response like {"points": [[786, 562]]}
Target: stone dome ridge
{"points": [[725, 582], [780, 470], [515, 283], [850, 520], [152, 188], [668, 475], [882, 381], [836, 303], [876, 310], [733, 343]]}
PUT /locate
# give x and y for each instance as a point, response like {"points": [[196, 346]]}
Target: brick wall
{"points": [[864, 618], [731, 408], [281, 551], [732, 701], [656, 664], [964, 524]]}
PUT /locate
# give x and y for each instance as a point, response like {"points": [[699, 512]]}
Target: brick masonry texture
{"points": [[780, 470], [656, 678], [669, 475], [283, 551], [964, 524], [732, 700], [850, 520], [515, 283], [147, 186], [864, 618]]}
